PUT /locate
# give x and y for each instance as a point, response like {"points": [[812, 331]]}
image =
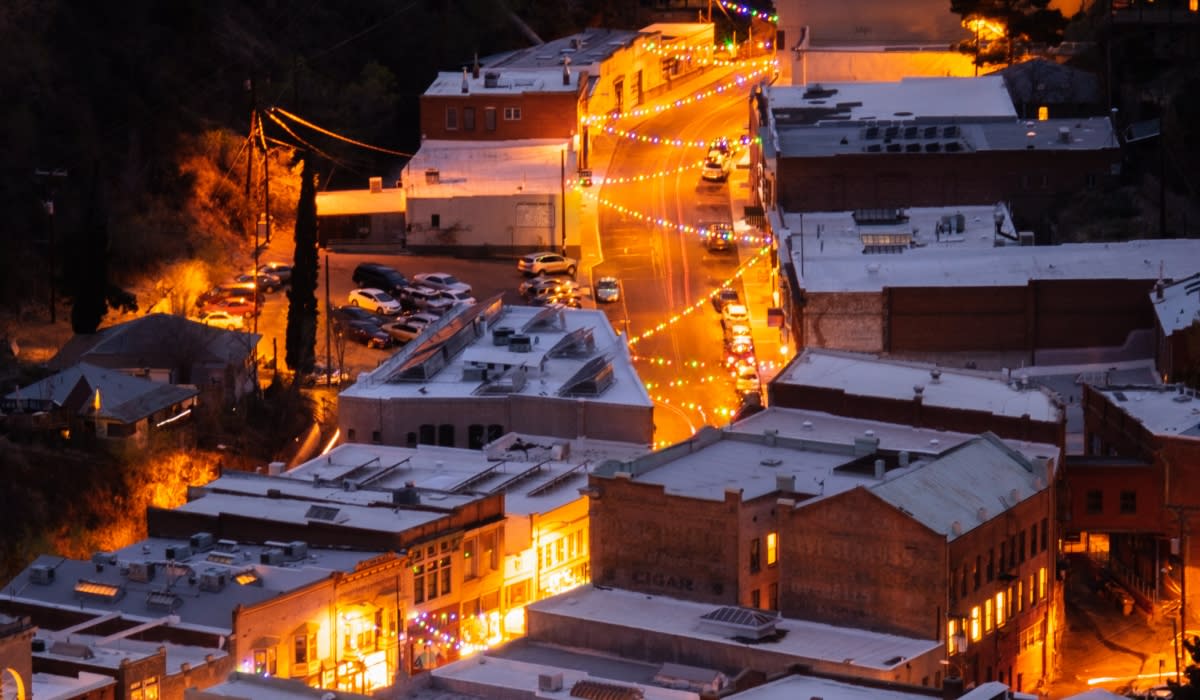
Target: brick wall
{"points": [[854, 560], [845, 321], [543, 116]]}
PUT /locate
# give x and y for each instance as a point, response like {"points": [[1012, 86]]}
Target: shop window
{"points": [[1128, 502], [264, 662], [145, 689], [1094, 501]]}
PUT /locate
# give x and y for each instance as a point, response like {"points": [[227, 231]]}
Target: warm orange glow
{"points": [[1043, 113], [975, 631], [772, 548], [985, 29]]}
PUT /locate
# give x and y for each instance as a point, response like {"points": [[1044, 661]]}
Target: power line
{"points": [[334, 135]]}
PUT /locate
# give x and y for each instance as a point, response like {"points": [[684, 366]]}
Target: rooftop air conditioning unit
{"points": [[178, 552], [41, 573], [491, 79], [141, 571], [501, 335], [212, 580], [550, 682], [376, 184], [519, 342], [201, 541], [227, 546], [272, 556], [296, 550]]}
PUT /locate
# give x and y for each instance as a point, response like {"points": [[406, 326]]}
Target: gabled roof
{"points": [[964, 487], [157, 340], [1177, 304], [121, 396], [1045, 81]]}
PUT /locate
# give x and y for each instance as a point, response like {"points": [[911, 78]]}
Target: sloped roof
{"points": [[157, 340], [1045, 81], [122, 397], [966, 486]]}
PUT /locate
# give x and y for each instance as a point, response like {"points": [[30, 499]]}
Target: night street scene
{"points": [[622, 349]]}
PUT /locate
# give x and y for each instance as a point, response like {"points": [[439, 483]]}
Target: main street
{"points": [[665, 271]]}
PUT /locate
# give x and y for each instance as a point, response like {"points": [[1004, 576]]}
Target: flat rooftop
{"points": [[242, 685], [985, 97], [563, 354], [832, 253], [1162, 409], [111, 652], [793, 687], [803, 640], [495, 168], [587, 48], [866, 375], [389, 200], [174, 586], [537, 474], [47, 686]]}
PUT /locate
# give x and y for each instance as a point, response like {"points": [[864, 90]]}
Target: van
{"points": [[379, 276]]}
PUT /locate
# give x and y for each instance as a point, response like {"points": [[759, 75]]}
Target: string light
{"points": [[749, 11], [699, 303], [650, 176], [735, 82], [682, 228]]}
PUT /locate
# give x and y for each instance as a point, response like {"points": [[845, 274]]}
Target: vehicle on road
{"points": [[736, 329], [222, 319], [326, 376], [738, 351], [442, 280], [724, 297], [566, 297], [735, 313], [718, 235], [547, 263], [235, 306], [373, 275], [365, 333], [716, 169], [375, 300], [746, 379], [281, 270], [538, 289], [265, 281], [608, 290]]}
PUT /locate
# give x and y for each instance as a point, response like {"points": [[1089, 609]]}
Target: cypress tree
{"points": [[302, 297]]}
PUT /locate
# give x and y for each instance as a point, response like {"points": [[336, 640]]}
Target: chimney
{"points": [[904, 459], [566, 70], [475, 68], [466, 88], [880, 469]]}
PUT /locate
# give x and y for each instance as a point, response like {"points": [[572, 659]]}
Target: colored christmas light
{"points": [[733, 83], [749, 11], [751, 239]]}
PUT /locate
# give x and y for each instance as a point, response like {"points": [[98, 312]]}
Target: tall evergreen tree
{"points": [[302, 297], [87, 264]]}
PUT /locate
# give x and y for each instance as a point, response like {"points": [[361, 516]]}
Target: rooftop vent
{"points": [[178, 552], [785, 483], [42, 574], [212, 580], [432, 176], [273, 556], [201, 541], [142, 571], [501, 335], [550, 682], [519, 342], [935, 376], [491, 79]]}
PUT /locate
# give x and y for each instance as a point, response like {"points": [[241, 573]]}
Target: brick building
{"points": [[920, 142], [923, 395], [1177, 331], [769, 514], [965, 280], [1128, 501], [491, 369]]}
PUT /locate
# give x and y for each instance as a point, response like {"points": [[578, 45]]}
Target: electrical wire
{"points": [[334, 135]]}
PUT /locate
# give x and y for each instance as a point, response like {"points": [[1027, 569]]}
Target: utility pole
{"points": [[562, 184], [47, 178], [328, 351], [249, 84], [1183, 514]]}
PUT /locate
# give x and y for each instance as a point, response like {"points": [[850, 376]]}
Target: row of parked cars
{"points": [[231, 304], [739, 345], [387, 308]]}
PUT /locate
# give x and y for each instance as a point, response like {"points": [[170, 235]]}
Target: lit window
{"points": [[975, 632], [512, 114], [1043, 113], [772, 548], [1000, 611], [987, 615], [1042, 582], [1020, 595], [951, 630]]}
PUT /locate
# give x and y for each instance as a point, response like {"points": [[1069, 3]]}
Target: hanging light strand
{"points": [[747, 238], [733, 83]]}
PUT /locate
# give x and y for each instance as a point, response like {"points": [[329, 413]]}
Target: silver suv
{"points": [[546, 263]]}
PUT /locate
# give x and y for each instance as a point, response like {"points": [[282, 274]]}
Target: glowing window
{"points": [[1043, 113], [1042, 582], [772, 548], [987, 615], [1000, 611], [951, 630], [975, 632]]}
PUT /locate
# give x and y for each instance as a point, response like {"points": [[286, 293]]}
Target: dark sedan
{"points": [[365, 333]]}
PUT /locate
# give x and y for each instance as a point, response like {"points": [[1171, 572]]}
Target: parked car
{"points": [[326, 376], [422, 298], [442, 280], [724, 297], [236, 306], [375, 275], [736, 329], [746, 378], [541, 287], [265, 281], [546, 263], [404, 330], [280, 269], [716, 169], [735, 313], [718, 235], [608, 290], [456, 297], [353, 313], [739, 350], [246, 290], [366, 333], [376, 300], [223, 319], [572, 299]]}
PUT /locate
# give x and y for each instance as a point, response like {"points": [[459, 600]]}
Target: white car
{"points": [[746, 379], [375, 300], [456, 297], [735, 313], [223, 319], [442, 280]]}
